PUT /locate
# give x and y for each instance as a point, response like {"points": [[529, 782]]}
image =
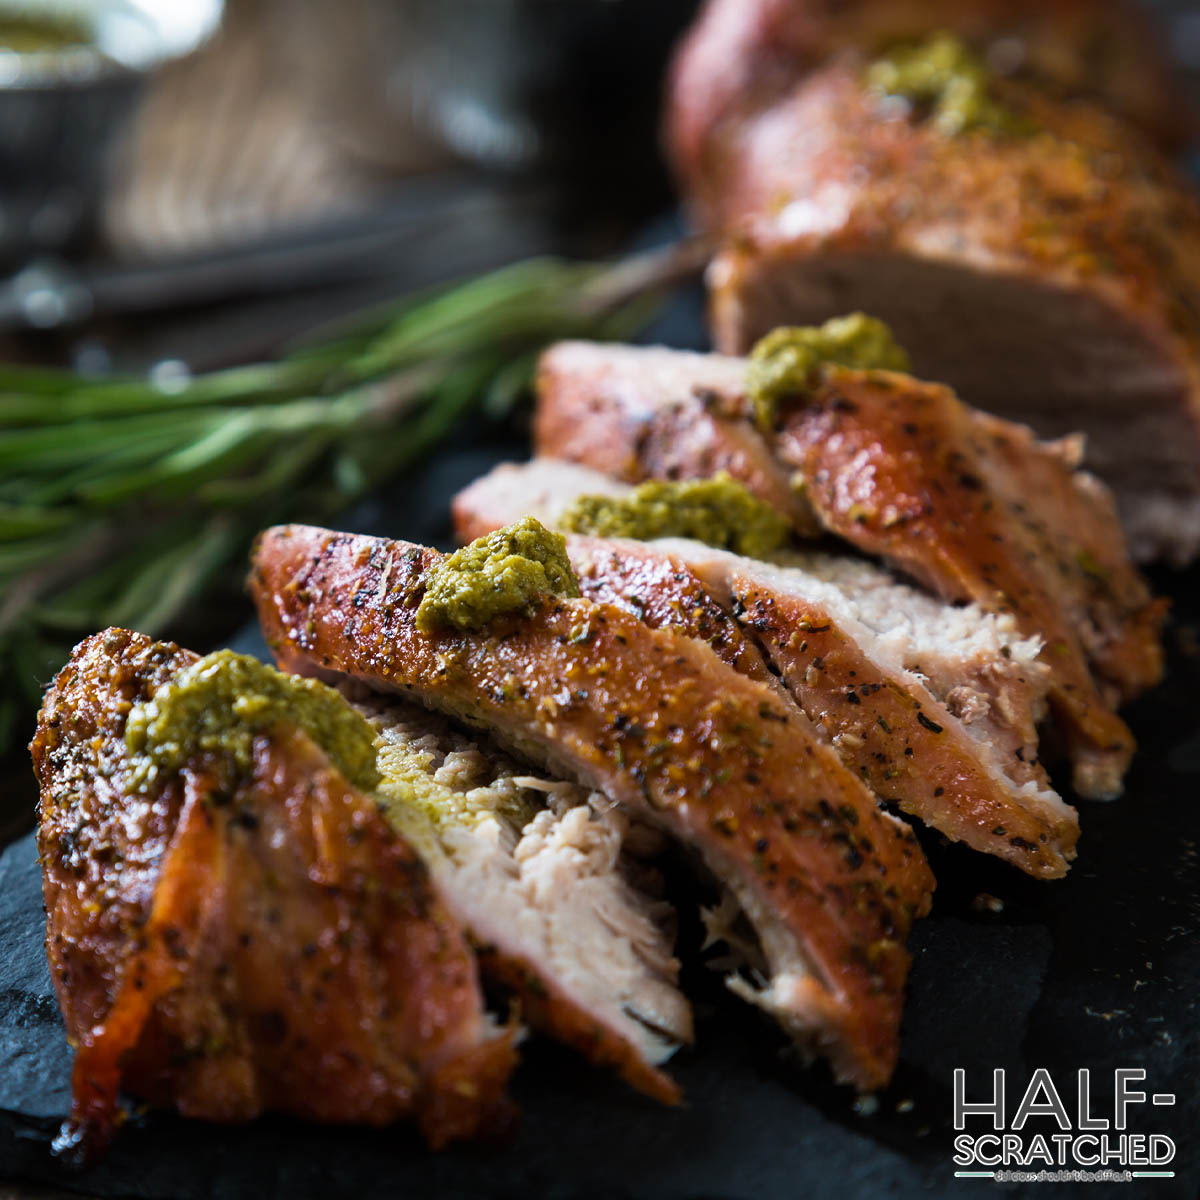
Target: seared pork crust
{"points": [[742, 54], [657, 722], [903, 470], [225, 954], [662, 591], [973, 507]]}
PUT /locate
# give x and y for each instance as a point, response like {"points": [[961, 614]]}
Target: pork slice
{"points": [[663, 592], [917, 697], [1050, 279], [657, 722], [864, 655], [1075, 526], [971, 506], [274, 947], [536, 871], [639, 413], [903, 470], [543, 488]]}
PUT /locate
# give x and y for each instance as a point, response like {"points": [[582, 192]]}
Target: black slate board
{"points": [[1099, 971]]}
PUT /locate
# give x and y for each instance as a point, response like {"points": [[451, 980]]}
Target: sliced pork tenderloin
{"points": [[893, 466], [659, 723], [934, 706], [534, 869], [1075, 524]]}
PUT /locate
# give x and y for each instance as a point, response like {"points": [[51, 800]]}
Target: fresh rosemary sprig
{"points": [[122, 501]]}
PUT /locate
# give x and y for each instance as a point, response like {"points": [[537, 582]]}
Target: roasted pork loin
{"points": [[226, 951], [656, 721], [539, 871], [973, 507], [744, 54], [1052, 277], [934, 706]]}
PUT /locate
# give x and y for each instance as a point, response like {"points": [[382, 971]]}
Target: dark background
{"points": [[1102, 970]]}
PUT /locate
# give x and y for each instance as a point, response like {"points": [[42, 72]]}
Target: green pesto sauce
{"points": [[787, 361], [942, 75], [218, 706], [720, 512], [504, 572]]}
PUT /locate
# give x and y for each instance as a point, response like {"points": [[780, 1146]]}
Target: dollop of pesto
{"points": [[720, 512], [217, 706], [787, 361], [942, 75], [504, 572]]}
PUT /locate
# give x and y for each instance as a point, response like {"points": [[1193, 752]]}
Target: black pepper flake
{"points": [[932, 726]]}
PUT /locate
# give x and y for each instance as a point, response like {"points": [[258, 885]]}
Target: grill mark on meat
{"points": [[660, 724]]}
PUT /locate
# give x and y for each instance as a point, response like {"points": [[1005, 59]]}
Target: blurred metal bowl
{"points": [[62, 106]]}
